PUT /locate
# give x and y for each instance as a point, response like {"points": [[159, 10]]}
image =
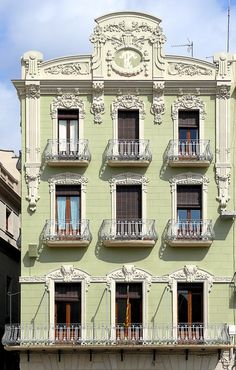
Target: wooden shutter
{"points": [[189, 196], [188, 118], [128, 202], [128, 124]]}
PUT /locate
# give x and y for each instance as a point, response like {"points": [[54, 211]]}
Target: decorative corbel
{"points": [[98, 107], [32, 178], [223, 175], [158, 104]]}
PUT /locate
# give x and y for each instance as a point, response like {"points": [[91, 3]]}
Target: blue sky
{"points": [[62, 27]]}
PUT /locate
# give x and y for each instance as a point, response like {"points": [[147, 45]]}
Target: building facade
{"points": [[128, 206], [10, 203]]}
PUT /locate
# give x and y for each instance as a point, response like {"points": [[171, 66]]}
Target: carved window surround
{"points": [[129, 179], [128, 273], [67, 179], [189, 179], [129, 102], [68, 274], [188, 102], [67, 101], [191, 273]]}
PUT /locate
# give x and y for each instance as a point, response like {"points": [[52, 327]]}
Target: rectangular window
{"points": [[129, 211], [128, 303], [190, 311], [189, 203], [128, 133], [68, 131], [67, 303], [68, 208], [188, 133]]}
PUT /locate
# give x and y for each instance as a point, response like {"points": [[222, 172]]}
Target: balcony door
{"points": [[188, 133], [128, 133], [68, 132], [129, 303], [190, 311], [129, 210], [68, 210], [67, 311]]}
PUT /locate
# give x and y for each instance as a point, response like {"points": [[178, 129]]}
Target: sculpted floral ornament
{"points": [[68, 273], [183, 69], [98, 106], [128, 179], [32, 91], [223, 92], [158, 104], [129, 273], [223, 176], [191, 273], [78, 68], [128, 101], [188, 102], [67, 101], [32, 178], [189, 178]]}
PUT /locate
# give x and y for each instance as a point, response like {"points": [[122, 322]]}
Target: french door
{"points": [[128, 133], [68, 132], [189, 134]]}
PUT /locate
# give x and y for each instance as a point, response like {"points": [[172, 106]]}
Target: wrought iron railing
{"points": [[65, 150], [134, 229], [189, 230], [64, 230], [198, 150], [128, 150], [138, 334]]}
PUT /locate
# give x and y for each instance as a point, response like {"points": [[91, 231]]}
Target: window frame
{"points": [[129, 179], [189, 179]]}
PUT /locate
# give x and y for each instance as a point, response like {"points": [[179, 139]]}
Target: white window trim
{"points": [[128, 274], [67, 273], [189, 179], [191, 274], [67, 101], [129, 179], [128, 102], [188, 102], [67, 179]]}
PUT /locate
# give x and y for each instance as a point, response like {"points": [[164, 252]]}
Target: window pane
{"points": [[61, 211], [73, 135], [182, 215], [62, 135]]}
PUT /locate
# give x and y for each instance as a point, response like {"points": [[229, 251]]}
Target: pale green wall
{"points": [[98, 260]]}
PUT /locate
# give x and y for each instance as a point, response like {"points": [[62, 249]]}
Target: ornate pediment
{"points": [[125, 44], [129, 273], [68, 273]]}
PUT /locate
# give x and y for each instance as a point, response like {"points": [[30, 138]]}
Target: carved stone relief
{"points": [[98, 107], [128, 179], [32, 178], [190, 273], [158, 104], [68, 101], [189, 179], [223, 92], [67, 179], [184, 69], [75, 69], [127, 53], [32, 61], [188, 102], [68, 273], [129, 273], [223, 63], [128, 101], [223, 176]]}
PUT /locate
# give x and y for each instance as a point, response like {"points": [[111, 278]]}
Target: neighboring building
{"points": [[10, 203], [128, 206]]}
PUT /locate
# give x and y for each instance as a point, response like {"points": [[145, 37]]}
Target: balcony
{"points": [[66, 234], [127, 153], [188, 153], [197, 233], [128, 233], [67, 153], [23, 337]]}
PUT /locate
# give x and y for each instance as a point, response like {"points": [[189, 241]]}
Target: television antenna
{"points": [[189, 46]]}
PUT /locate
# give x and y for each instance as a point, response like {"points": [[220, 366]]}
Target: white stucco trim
{"points": [[188, 102], [126, 274], [66, 274], [67, 179], [128, 102], [67, 101], [189, 179], [129, 179], [191, 274]]}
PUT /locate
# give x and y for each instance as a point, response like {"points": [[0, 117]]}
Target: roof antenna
{"points": [[228, 26], [189, 45]]}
